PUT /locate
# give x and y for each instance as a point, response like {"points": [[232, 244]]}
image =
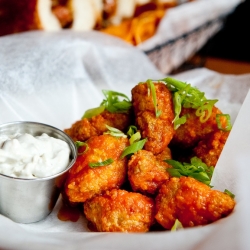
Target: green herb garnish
{"points": [[153, 93], [136, 146], [132, 130], [135, 138], [177, 225], [116, 102], [195, 169], [113, 102], [133, 134], [81, 144], [205, 111], [114, 132], [93, 112], [228, 126], [184, 95], [100, 164], [229, 193]]}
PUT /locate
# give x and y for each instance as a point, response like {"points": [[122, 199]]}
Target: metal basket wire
{"points": [[173, 53]]}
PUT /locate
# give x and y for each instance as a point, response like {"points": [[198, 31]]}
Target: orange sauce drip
{"points": [[67, 213]]}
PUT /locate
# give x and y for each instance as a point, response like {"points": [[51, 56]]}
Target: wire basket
{"points": [[173, 53]]}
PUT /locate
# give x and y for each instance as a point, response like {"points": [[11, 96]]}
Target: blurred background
{"points": [[228, 50], [177, 35]]}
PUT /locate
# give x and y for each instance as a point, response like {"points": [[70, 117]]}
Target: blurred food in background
{"points": [[132, 20]]}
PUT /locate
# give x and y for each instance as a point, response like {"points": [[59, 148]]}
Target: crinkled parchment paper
{"points": [[54, 77]]}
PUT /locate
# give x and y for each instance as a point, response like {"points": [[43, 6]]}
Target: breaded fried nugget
{"points": [[120, 211], [166, 154], [96, 125], [191, 202], [209, 149], [191, 132], [158, 130], [83, 182], [145, 173]]}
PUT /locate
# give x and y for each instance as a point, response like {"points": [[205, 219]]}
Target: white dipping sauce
{"points": [[26, 156]]}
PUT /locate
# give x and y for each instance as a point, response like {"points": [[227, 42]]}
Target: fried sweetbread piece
{"points": [[145, 173], [120, 211], [83, 182], [190, 133], [158, 130], [191, 202], [209, 149], [83, 129]]}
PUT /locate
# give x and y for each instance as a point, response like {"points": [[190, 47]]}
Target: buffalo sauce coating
{"points": [[85, 128], [210, 148], [158, 130], [146, 173], [83, 182], [191, 202], [120, 211], [193, 130], [68, 213]]}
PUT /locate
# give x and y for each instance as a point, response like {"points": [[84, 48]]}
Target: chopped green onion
{"points": [[100, 164], [81, 144], [205, 111], [228, 126], [135, 137], [177, 226], [136, 146], [114, 132], [178, 122], [195, 169], [113, 103], [133, 134], [132, 130], [184, 95], [229, 193], [153, 92], [93, 112]]}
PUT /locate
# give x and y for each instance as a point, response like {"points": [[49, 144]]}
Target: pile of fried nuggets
{"points": [[135, 193]]}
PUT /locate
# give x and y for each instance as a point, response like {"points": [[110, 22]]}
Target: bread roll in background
{"points": [[87, 14], [84, 15]]}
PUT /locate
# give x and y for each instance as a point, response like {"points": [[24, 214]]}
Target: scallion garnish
{"points": [[133, 134], [102, 163], [153, 93], [135, 138], [93, 112], [184, 95], [227, 119], [81, 144], [132, 130], [136, 146], [114, 132], [229, 193], [195, 169], [115, 101], [177, 225], [205, 111]]}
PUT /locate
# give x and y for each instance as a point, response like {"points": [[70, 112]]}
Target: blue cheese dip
{"points": [[26, 156]]}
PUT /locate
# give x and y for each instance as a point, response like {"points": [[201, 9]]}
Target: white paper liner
{"points": [[54, 78]]}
